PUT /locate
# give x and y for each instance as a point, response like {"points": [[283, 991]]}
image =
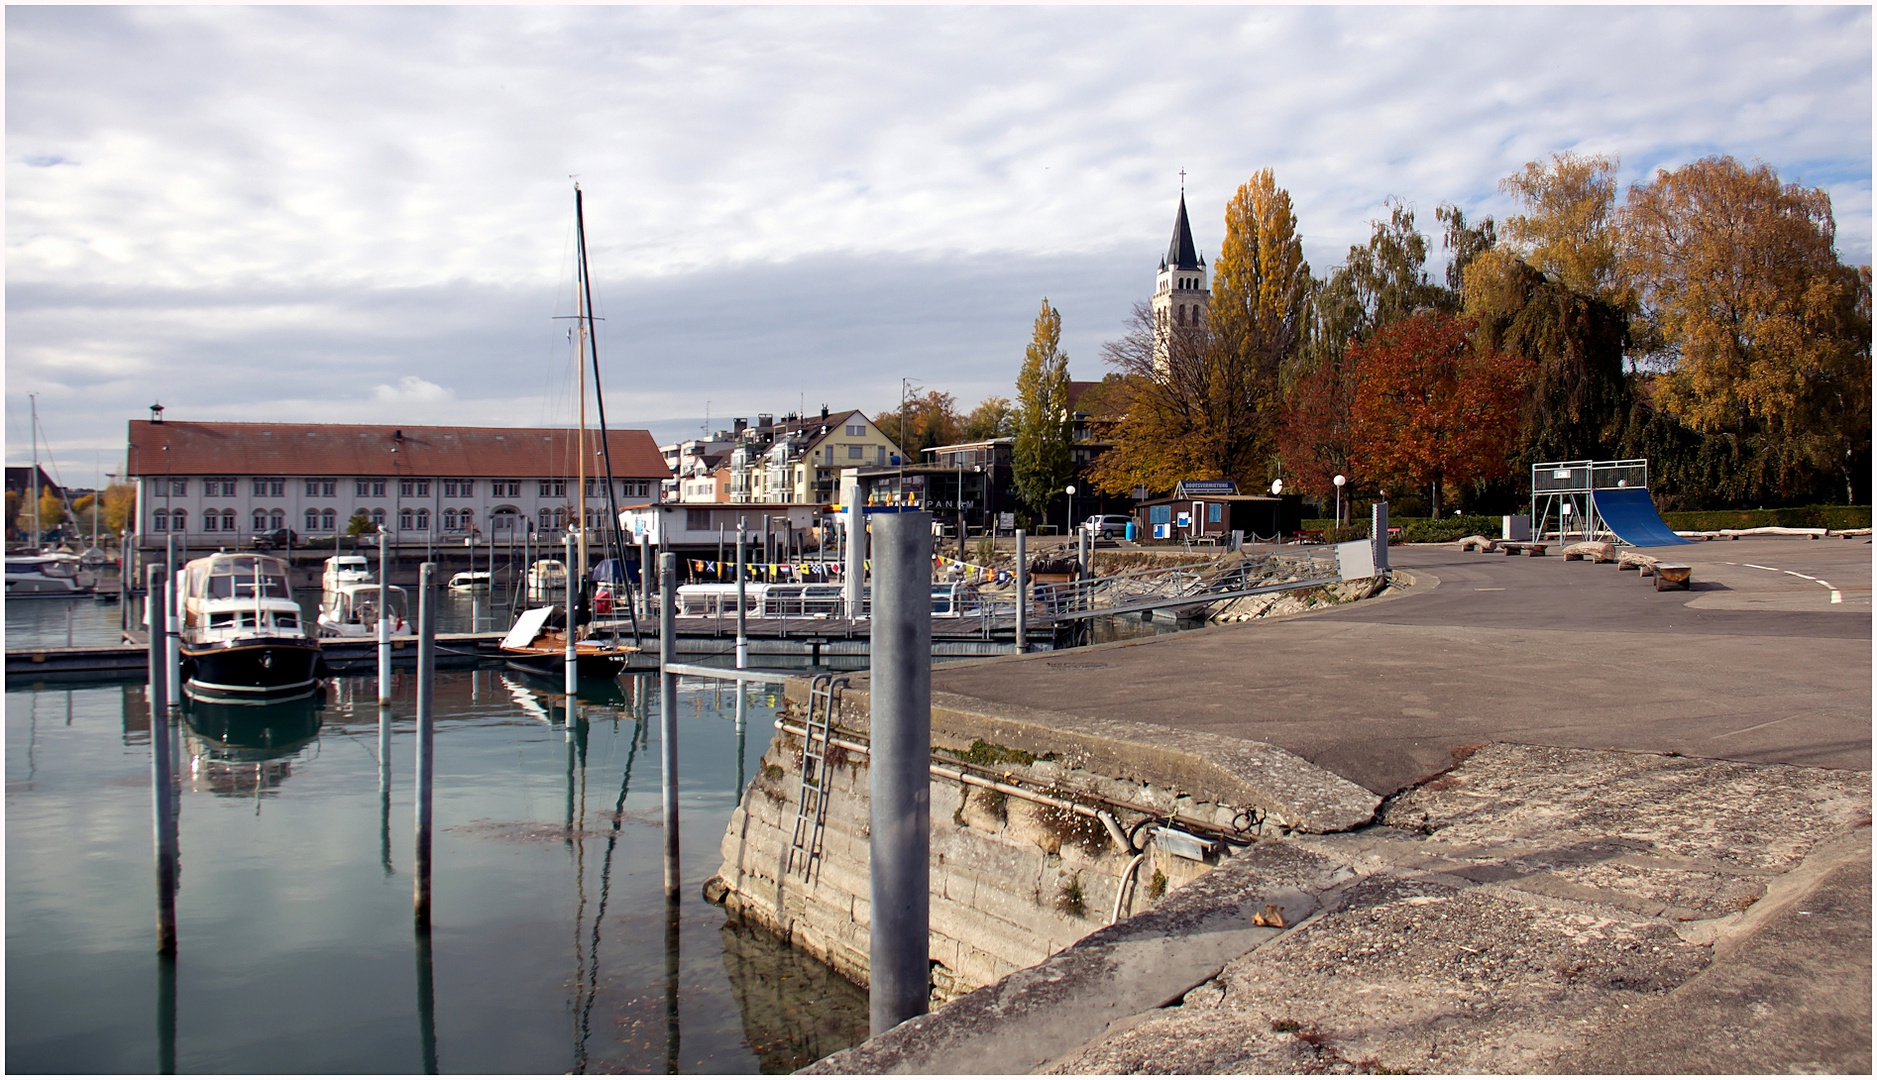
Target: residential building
{"points": [[792, 459], [206, 481]]}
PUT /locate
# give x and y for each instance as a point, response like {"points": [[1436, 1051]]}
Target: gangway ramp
{"points": [[1630, 514]]}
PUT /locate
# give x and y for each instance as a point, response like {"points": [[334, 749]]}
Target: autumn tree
{"points": [[1042, 458], [1206, 403], [1430, 410], [120, 503], [922, 421], [1569, 229], [1764, 335], [994, 418]]}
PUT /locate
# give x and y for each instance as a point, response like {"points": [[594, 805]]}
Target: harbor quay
{"points": [[1511, 815]]}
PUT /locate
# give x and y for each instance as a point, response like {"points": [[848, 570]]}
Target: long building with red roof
{"points": [[205, 481]]}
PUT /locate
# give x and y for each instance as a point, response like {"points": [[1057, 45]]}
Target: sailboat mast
{"points": [[580, 451], [616, 546], [37, 531]]}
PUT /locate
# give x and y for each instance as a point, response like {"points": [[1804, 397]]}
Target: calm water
{"points": [[552, 949]]}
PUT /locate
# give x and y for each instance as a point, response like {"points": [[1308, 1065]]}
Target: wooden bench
{"points": [[1672, 576], [1644, 564], [1314, 536], [1594, 550], [1522, 547], [1477, 543]]}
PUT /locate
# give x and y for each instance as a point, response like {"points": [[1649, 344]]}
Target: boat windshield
{"points": [[240, 585]]}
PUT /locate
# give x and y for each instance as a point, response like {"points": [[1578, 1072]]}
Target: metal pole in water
{"points": [[1023, 595], [384, 620], [426, 764], [166, 1014], [668, 711], [161, 767], [742, 631], [900, 811], [172, 624], [856, 557], [742, 725], [567, 596], [384, 788], [647, 575]]}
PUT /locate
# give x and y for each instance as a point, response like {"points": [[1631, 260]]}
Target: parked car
{"points": [[1108, 526], [274, 538]]}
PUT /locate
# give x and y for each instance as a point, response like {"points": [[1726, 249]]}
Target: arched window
{"points": [[503, 520], [327, 519], [260, 521], [178, 521], [546, 519], [423, 519], [210, 523], [159, 522], [449, 516], [277, 519], [1182, 317], [228, 520], [312, 520], [378, 516], [404, 519]]}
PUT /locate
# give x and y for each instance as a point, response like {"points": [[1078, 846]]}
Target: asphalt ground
{"points": [[1754, 663]]}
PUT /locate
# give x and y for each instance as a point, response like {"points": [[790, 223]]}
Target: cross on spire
{"points": [[1182, 183]]}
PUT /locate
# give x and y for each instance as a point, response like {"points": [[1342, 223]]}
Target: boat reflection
{"points": [[247, 750]]}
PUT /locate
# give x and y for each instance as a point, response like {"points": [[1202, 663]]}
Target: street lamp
{"points": [[1071, 522], [1339, 480], [1277, 487]]}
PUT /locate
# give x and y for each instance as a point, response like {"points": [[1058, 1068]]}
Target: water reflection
{"points": [[795, 1009], [247, 750]]}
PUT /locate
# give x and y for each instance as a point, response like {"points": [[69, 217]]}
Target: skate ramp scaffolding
{"points": [[1598, 500]]}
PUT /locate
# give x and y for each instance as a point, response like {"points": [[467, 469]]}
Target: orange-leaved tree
{"points": [[1429, 409]]}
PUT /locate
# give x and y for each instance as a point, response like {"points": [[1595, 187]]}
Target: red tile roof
{"points": [[183, 448]]}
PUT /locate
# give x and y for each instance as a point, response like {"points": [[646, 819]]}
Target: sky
{"points": [[366, 214]]}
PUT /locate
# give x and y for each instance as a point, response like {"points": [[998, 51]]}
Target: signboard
{"points": [[1007, 520], [1205, 487], [1186, 519]]}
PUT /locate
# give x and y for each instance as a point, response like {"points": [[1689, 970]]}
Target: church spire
{"points": [[1182, 254]]}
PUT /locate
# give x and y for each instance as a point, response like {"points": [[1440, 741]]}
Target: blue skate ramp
{"points": [[1630, 514]]}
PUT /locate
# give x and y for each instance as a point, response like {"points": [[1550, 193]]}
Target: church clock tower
{"points": [[1181, 292]]}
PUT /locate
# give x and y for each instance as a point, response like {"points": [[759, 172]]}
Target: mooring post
{"points": [[1023, 595], [742, 726], [572, 664], [742, 630], [1378, 534], [899, 814], [855, 565], [172, 624], [384, 788], [426, 765], [384, 619], [1081, 553], [162, 793], [668, 711], [166, 1014]]}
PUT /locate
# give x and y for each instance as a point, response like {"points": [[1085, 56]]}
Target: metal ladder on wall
{"points": [[811, 809]]}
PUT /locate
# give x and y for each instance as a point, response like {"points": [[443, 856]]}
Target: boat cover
{"points": [[1630, 514], [527, 628]]}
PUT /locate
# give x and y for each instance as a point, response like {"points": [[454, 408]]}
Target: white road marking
{"points": [[1837, 596], [1744, 730], [1497, 589]]}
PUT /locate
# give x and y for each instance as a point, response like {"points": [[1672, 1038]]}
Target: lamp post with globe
{"points": [[1339, 480], [1069, 525]]}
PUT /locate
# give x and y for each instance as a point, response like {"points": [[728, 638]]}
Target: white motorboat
{"points": [[351, 610], [345, 570], [470, 581], [48, 575], [243, 637], [547, 579]]}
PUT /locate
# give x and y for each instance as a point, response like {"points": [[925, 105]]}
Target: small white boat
{"points": [[351, 611], [345, 570], [547, 579], [242, 634], [47, 575], [470, 581]]}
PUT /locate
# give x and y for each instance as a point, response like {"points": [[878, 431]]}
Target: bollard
{"points": [[742, 631], [384, 620], [742, 724], [1081, 553], [673, 1029], [647, 576], [567, 603], [426, 1004], [426, 765], [899, 815], [162, 794], [1023, 595], [855, 566], [68, 625], [1378, 535], [668, 712]]}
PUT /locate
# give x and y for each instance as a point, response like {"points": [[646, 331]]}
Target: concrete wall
{"points": [[1012, 881]]}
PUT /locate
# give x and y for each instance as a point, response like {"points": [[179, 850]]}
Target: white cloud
{"points": [[237, 208], [411, 390]]}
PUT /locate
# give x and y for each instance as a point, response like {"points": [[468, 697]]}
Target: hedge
{"points": [[1420, 530]]}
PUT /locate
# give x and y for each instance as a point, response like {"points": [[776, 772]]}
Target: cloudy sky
{"points": [[365, 213]]}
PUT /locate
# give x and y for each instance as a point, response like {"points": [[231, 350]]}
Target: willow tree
{"points": [[1042, 459]]}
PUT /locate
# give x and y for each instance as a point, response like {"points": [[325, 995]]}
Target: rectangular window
{"points": [[407, 488], [1159, 515], [423, 488], [179, 487], [363, 488], [856, 452], [312, 488], [260, 487], [697, 520], [553, 489], [857, 429], [466, 488], [449, 489], [277, 488]]}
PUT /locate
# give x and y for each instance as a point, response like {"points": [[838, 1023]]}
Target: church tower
{"points": [[1181, 293]]}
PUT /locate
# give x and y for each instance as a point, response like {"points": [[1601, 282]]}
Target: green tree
{"points": [[360, 525], [1764, 336], [994, 418], [14, 504], [1043, 455]]}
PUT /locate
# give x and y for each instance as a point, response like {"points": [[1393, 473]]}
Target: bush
{"points": [[1792, 517]]}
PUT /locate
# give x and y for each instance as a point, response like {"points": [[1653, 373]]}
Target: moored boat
{"points": [[470, 581], [243, 636], [351, 610], [55, 574], [538, 643]]}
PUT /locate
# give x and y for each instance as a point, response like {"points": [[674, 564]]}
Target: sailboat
{"points": [[538, 640]]}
